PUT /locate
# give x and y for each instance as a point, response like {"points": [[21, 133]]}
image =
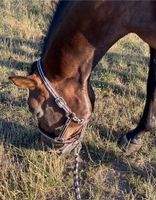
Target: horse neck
{"points": [[81, 39], [69, 55]]}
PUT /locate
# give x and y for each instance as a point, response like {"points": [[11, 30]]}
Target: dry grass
{"points": [[27, 172]]}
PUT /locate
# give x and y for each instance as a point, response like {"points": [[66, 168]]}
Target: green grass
{"points": [[28, 172]]}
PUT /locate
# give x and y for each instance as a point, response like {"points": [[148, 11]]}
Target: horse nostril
{"points": [[39, 114], [36, 111]]}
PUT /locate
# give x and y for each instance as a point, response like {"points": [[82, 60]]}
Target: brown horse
{"points": [[81, 32]]}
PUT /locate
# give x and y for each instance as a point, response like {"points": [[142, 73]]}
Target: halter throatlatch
{"points": [[63, 145]]}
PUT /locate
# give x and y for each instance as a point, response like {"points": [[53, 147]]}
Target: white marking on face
{"points": [[49, 115]]}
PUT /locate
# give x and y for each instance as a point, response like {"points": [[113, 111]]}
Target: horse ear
{"points": [[23, 81]]}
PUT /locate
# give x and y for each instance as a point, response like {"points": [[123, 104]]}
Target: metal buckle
{"points": [[75, 118]]}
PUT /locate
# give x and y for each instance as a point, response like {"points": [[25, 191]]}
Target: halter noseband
{"points": [[69, 144]]}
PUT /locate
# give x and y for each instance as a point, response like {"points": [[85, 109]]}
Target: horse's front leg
{"points": [[132, 142]]}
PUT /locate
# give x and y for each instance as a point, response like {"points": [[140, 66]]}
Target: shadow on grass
{"points": [[119, 163], [17, 42], [110, 157], [7, 99], [11, 63], [125, 76], [123, 91], [16, 135], [121, 170], [127, 58], [105, 133], [15, 46]]}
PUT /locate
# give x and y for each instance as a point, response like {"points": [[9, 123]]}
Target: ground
{"points": [[28, 172]]}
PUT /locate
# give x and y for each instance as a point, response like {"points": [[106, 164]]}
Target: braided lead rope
{"points": [[76, 176], [76, 165]]}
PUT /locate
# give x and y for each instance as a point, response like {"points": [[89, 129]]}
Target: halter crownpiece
{"points": [[62, 145]]}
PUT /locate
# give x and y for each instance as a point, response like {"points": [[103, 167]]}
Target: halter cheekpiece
{"points": [[63, 146]]}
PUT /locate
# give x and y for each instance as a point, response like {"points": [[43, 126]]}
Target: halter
{"points": [[62, 144]]}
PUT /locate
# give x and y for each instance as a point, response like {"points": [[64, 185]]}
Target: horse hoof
{"points": [[129, 146]]}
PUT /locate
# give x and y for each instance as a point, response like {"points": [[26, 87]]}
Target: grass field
{"points": [[27, 172]]}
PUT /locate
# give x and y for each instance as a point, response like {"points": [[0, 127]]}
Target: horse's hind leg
{"points": [[132, 140]]}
